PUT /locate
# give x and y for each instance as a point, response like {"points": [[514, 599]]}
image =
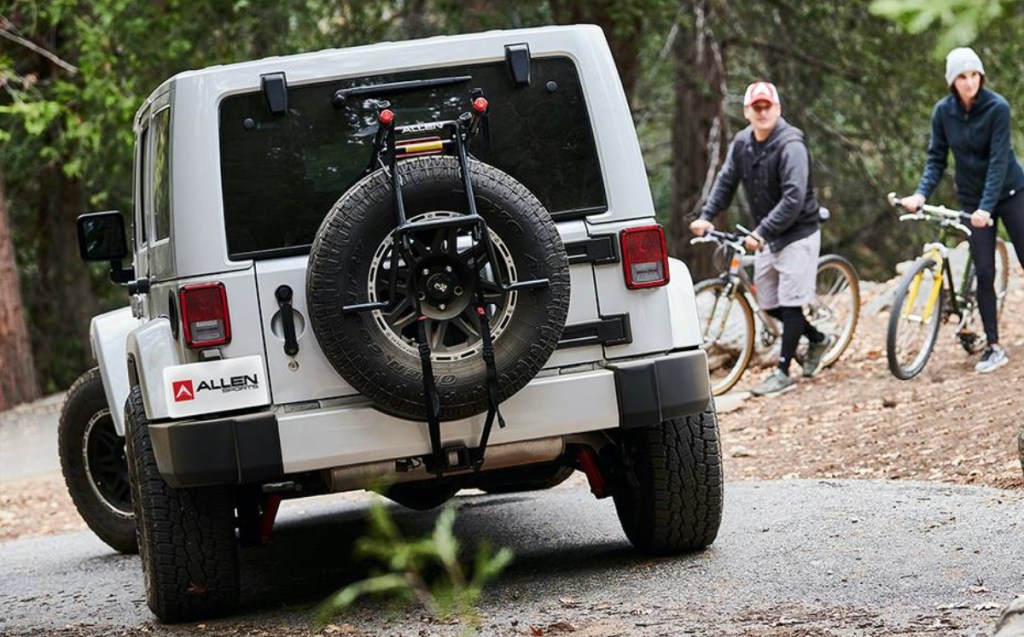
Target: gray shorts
{"points": [[787, 278]]}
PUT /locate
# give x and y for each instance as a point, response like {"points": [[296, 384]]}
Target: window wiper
{"points": [[341, 96]]}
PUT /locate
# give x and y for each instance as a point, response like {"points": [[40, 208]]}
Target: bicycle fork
{"points": [[937, 254]]}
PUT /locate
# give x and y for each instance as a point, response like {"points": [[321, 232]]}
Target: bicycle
{"points": [[727, 308], [926, 297]]}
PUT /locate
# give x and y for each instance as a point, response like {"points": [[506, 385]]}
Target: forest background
{"points": [[860, 78]]}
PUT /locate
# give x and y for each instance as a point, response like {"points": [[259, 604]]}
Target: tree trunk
{"points": [[623, 37], [700, 130], [17, 369], [61, 304]]}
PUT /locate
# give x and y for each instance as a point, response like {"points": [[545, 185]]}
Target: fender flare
{"points": [[150, 349], [108, 335]]}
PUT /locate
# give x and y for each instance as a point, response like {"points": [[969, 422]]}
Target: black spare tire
{"points": [[376, 351]]}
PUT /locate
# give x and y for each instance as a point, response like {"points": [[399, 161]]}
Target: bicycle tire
{"points": [[1002, 275], [732, 359], [972, 342], [908, 288], [832, 312]]}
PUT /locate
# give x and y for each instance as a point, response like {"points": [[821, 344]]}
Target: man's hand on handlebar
{"points": [[701, 226], [912, 203], [981, 218]]}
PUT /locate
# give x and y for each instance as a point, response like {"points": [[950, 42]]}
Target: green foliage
{"points": [[959, 21], [427, 570], [860, 86]]}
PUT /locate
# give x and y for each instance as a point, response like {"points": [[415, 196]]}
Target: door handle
{"points": [[283, 294]]}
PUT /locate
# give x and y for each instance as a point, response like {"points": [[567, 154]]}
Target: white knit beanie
{"points": [[962, 60]]}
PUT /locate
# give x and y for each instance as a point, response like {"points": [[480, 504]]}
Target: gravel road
{"points": [[794, 558]]}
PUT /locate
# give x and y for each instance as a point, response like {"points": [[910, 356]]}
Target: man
{"points": [[770, 158]]}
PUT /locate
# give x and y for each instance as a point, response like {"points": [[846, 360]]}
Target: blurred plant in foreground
{"points": [[426, 570]]}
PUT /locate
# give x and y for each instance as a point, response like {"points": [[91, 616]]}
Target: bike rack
{"points": [[454, 136]]}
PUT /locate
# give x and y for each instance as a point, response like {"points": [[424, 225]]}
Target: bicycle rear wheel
{"points": [[1002, 275], [836, 308], [727, 332], [971, 335], [914, 319]]}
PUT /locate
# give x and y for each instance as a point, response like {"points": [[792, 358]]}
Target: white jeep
{"points": [[350, 264]]}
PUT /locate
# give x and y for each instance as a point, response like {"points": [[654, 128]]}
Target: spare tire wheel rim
{"points": [[446, 291]]}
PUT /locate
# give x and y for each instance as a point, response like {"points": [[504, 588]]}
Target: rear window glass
{"points": [[281, 175]]}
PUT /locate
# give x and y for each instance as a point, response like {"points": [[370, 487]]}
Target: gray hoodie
{"points": [[776, 177]]}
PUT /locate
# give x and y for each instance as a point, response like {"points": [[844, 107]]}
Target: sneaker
{"points": [[812, 360], [776, 383], [992, 359]]}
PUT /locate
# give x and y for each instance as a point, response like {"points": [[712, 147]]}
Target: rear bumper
{"points": [[263, 447], [655, 390]]}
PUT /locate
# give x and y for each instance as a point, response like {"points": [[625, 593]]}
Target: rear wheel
{"points": [[727, 332], [914, 319], [836, 309], [669, 499], [92, 459], [971, 334], [186, 536], [1002, 275]]}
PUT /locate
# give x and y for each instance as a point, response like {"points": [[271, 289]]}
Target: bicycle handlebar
{"points": [[937, 214], [717, 236], [938, 211]]}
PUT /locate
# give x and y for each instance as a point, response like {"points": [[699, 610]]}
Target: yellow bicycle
{"points": [[926, 296]]}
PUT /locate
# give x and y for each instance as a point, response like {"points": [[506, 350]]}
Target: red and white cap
{"points": [[761, 92]]}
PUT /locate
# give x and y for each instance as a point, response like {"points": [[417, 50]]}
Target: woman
{"points": [[974, 123]]}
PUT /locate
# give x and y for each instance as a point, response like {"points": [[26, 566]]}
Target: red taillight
{"points": [[204, 314], [644, 257]]}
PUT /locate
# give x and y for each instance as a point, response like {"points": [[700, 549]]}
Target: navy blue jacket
{"points": [[776, 176], [987, 171]]}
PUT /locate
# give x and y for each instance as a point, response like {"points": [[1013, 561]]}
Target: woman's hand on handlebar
{"points": [[912, 203], [700, 226], [981, 218]]}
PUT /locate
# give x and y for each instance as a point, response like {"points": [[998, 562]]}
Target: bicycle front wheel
{"points": [[914, 319], [727, 332], [836, 308]]}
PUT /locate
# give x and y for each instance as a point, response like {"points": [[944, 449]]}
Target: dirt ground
{"points": [[853, 420]]}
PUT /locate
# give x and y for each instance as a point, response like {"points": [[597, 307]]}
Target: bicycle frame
{"points": [[958, 297], [736, 280]]}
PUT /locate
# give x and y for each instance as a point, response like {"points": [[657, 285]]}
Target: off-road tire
{"points": [[669, 499], [528, 478], [109, 517], [340, 263], [186, 536]]}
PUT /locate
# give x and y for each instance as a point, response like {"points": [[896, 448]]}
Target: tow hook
{"points": [[588, 462]]}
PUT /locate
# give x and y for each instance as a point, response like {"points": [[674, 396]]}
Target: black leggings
{"points": [[794, 325], [983, 251]]}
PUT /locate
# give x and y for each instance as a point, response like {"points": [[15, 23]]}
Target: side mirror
{"points": [[101, 237]]}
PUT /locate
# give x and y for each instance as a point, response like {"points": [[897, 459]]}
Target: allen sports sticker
{"points": [[225, 385]]}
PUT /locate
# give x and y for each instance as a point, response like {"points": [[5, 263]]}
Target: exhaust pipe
{"points": [[513, 454]]}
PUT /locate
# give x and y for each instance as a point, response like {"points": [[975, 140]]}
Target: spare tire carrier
{"points": [[455, 137]]}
